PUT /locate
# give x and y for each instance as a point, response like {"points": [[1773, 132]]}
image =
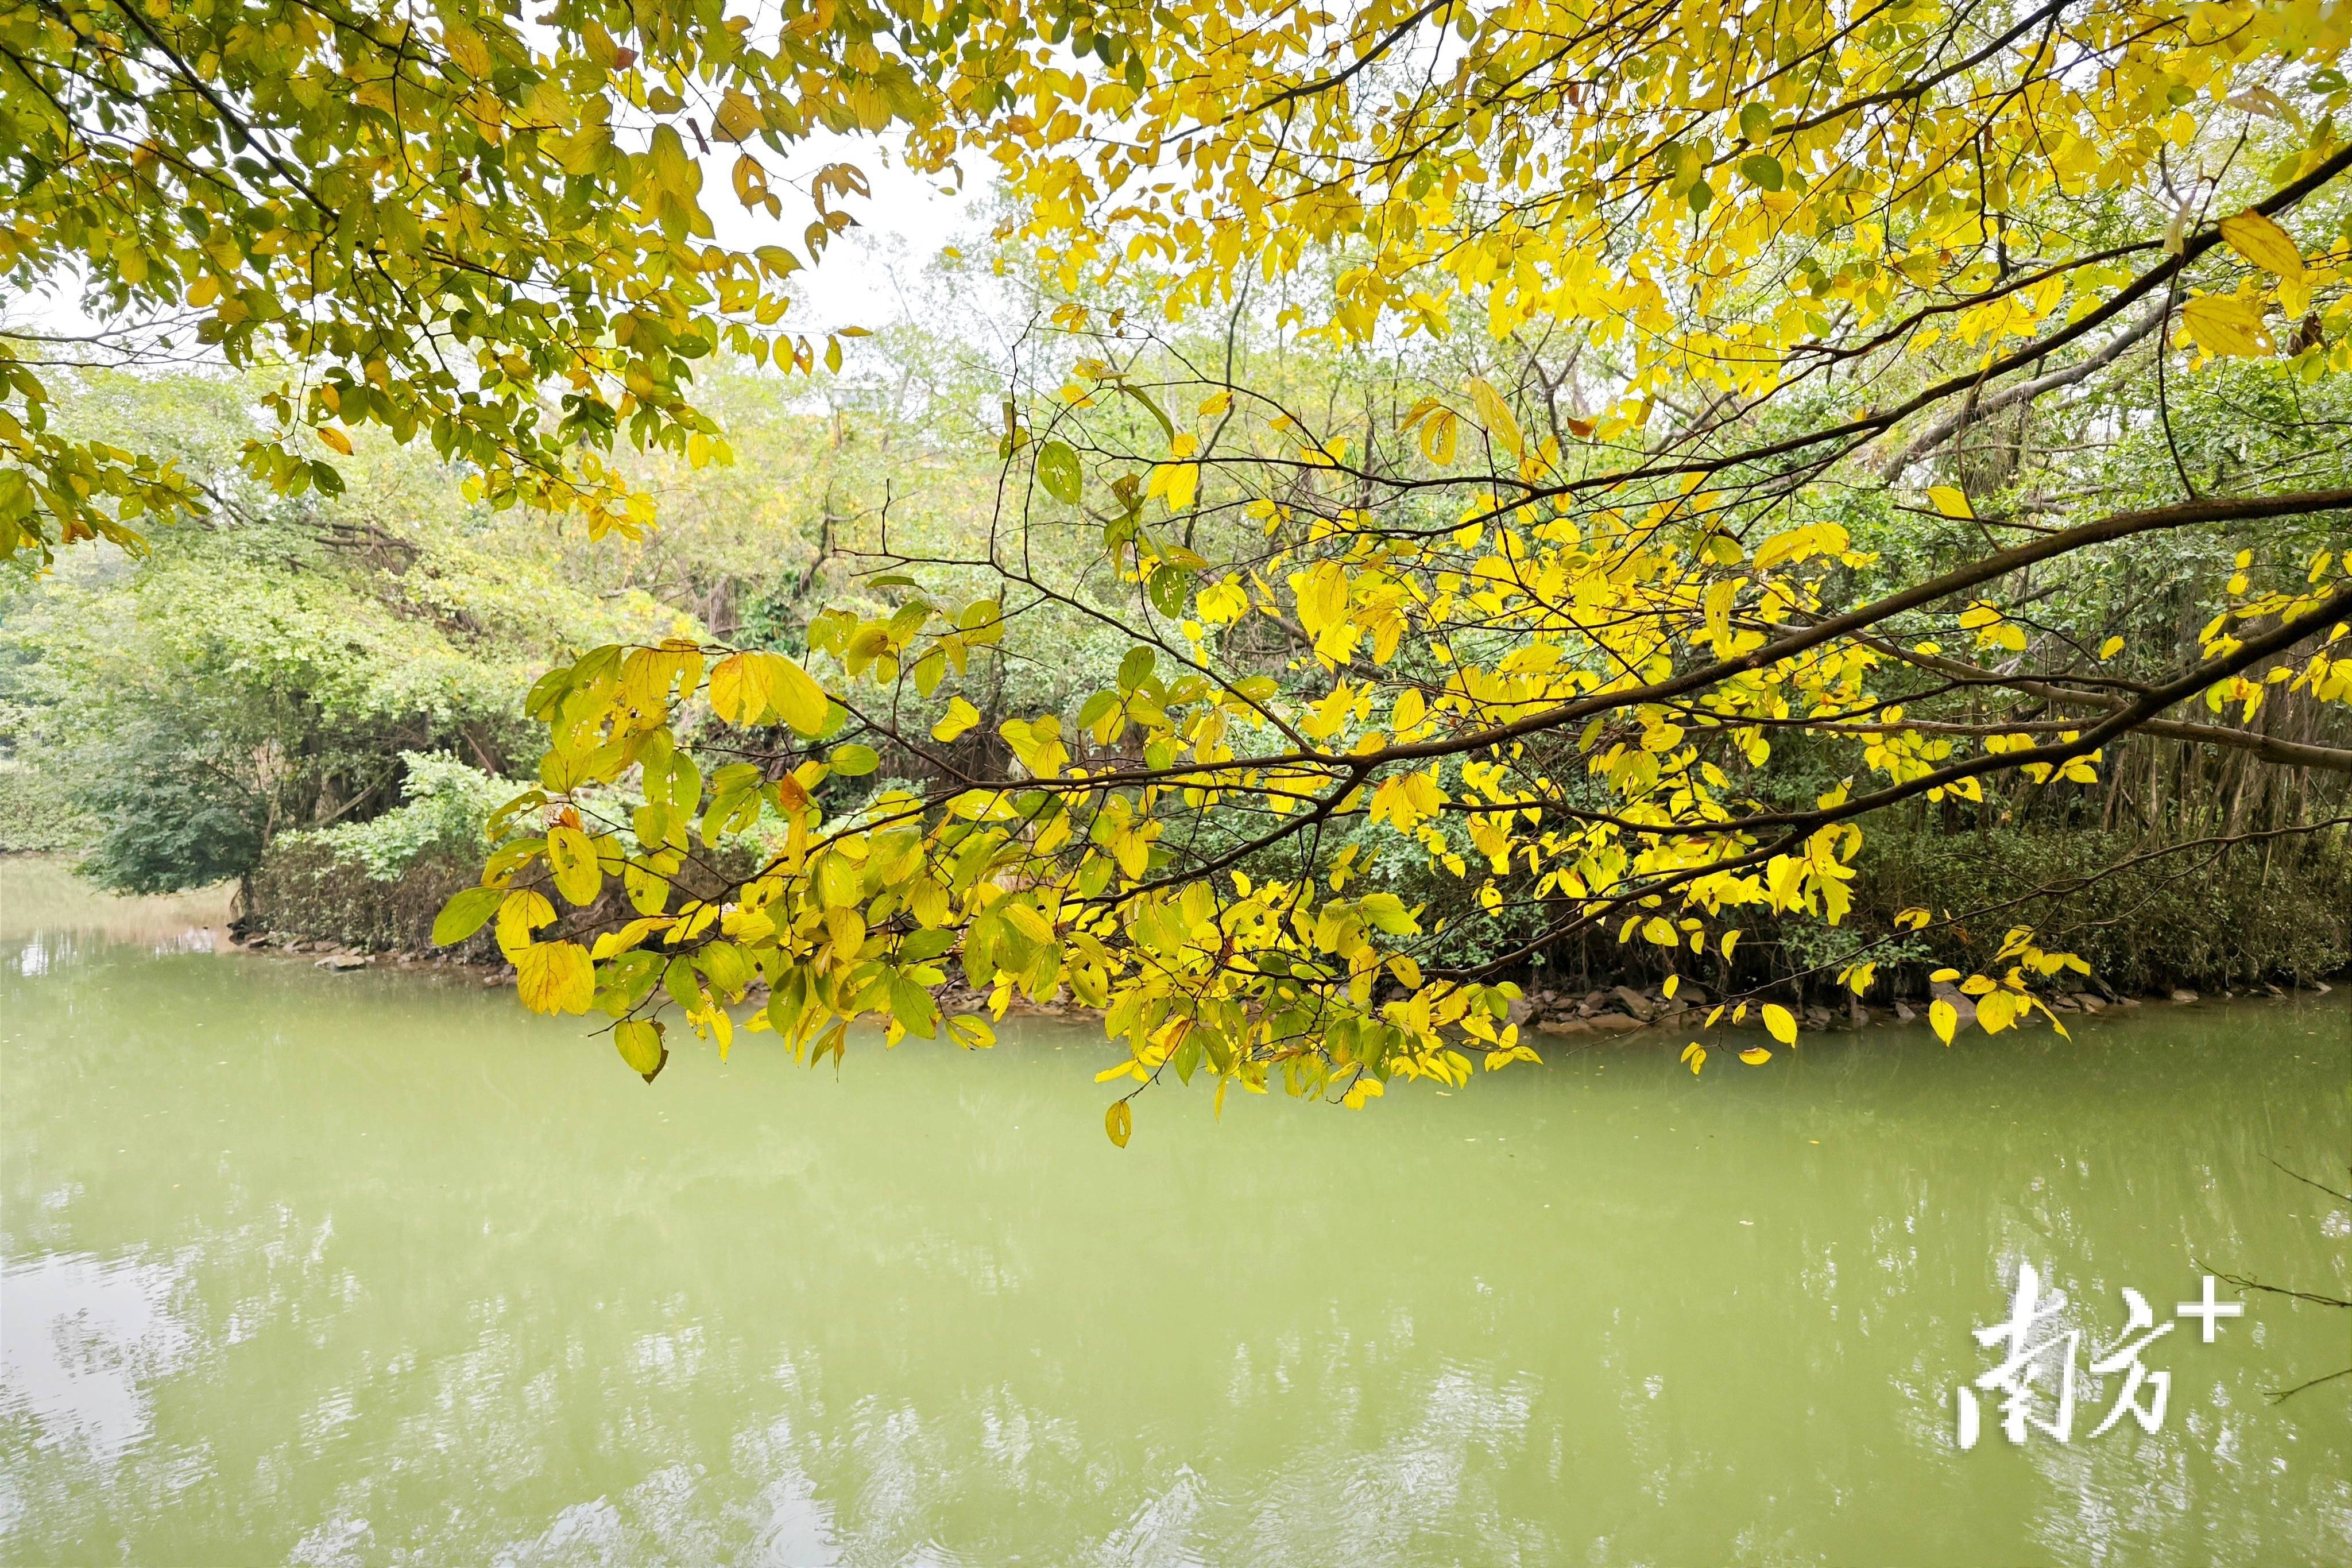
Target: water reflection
{"points": [[367, 1269], [87, 1341]]}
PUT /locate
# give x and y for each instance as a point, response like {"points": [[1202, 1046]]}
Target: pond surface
{"points": [[372, 1267]]}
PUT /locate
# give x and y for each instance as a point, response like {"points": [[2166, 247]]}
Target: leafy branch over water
{"points": [[1712, 409]]}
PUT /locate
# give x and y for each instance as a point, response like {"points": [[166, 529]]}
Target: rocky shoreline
{"points": [[1549, 1015]]}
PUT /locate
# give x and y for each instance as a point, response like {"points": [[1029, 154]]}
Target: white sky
{"points": [[905, 222], [901, 226]]}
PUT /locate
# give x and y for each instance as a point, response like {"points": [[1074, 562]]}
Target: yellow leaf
{"points": [[1756, 1056], [1948, 500], [467, 50], [335, 438], [798, 700], [1120, 1123], [2110, 648], [1495, 415], [739, 688], [1438, 434], [555, 977], [522, 912], [1943, 1018], [960, 717], [739, 119], [628, 937], [1178, 484], [750, 181], [571, 855], [2224, 324], [1411, 707], [1782, 1022], [2263, 243]]}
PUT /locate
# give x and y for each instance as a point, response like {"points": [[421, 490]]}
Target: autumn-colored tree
{"points": [[1745, 270]]}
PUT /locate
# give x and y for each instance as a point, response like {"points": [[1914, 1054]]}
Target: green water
{"points": [[369, 1268]]}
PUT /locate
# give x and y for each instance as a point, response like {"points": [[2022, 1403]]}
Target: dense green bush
{"points": [[2275, 912], [38, 813], [377, 885], [445, 805]]}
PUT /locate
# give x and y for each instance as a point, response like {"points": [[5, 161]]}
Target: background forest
{"points": [[320, 697]]}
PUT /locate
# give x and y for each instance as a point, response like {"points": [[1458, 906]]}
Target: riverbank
{"points": [[339, 918]]}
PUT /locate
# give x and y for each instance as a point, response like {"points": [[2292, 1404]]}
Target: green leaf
{"points": [[1171, 587], [1167, 426], [853, 760], [728, 971], [466, 914], [839, 881], [679, 981], [1058, 471], [640, 1044], [922, 945], [912, 1005], [1762, 170]]}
